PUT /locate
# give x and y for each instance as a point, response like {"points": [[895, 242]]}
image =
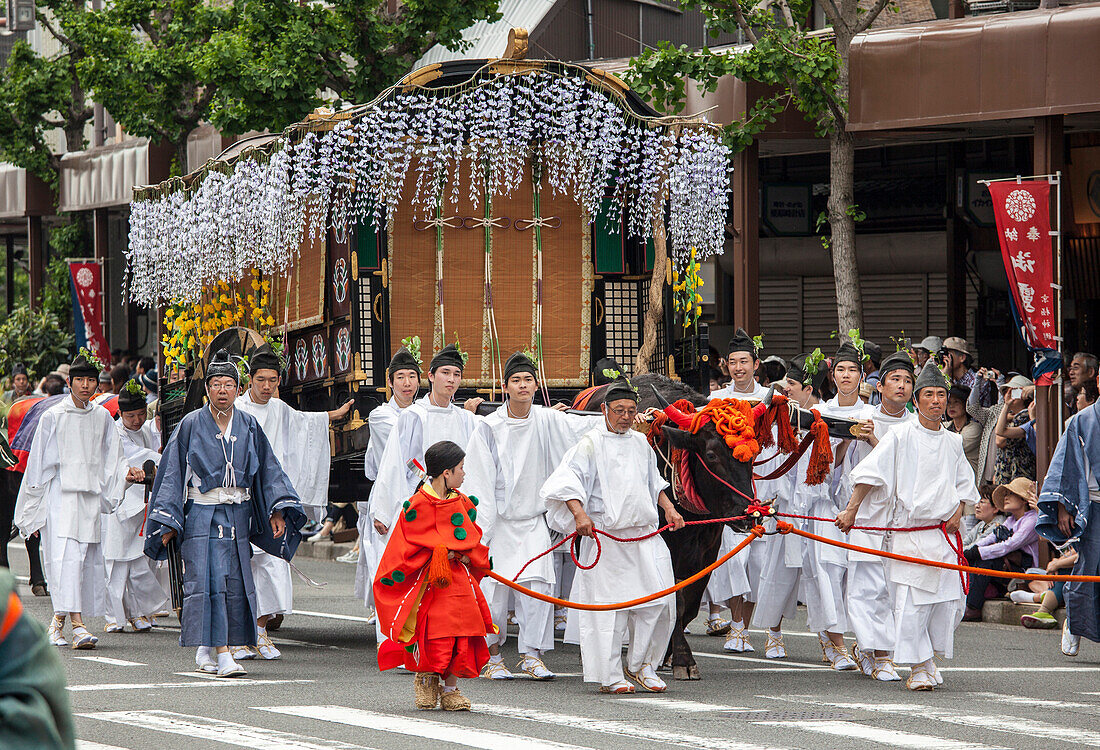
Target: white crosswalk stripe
{"points": [[892, 737], [1023, 700], [676, 704], [621, 728], [216, 682], [228, 732], [89, 745], [112, 662], [998, 723], [483, 739]]}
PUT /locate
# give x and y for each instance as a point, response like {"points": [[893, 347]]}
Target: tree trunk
{"points": [[181, 155], [656, 309], [841, 205], [849, 299]]}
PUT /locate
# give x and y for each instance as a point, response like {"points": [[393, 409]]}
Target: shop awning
{"points": [[105, 176], [23, 194], [1023, 64]]}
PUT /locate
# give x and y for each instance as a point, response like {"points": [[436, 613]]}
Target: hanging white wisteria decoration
{"points": [[474, 139]]}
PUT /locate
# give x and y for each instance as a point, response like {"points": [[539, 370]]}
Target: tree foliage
{"points": [[254, 64], [34, 338], [797, 67], [39, 94]]}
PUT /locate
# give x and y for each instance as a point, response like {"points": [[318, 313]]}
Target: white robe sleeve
{"points": [[964, 481], [572, 480], [115, 467], [484, 479], [309, 458], [133, 498], [43, 464], [878, 469], [395, 483], [380, 428], [657, 483]]}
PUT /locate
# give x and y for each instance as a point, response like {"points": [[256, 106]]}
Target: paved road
{"points": [[1008, 688]]}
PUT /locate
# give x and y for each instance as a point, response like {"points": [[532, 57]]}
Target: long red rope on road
{"points": [[755, 533]]}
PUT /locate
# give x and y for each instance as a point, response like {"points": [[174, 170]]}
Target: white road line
{"points": [[620, 728], [112, 662], [1022, 700], [791, 665], [89, 745], [998, 723], [440, 731], [675, 704], [892, 737], [239, 682], [330, 616], [230, 733]]}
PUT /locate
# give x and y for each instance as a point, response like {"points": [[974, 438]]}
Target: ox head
{"points": [[722, 483]]}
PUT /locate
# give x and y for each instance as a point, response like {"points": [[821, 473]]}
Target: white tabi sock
{"points": [[225, 660], [739, 625]]}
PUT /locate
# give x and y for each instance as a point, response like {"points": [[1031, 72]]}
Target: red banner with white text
{"points": [[88, 285], [1022, 210]]}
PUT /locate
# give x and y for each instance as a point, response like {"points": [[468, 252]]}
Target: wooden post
{"points": [[36, 266], [101, 253], [1048, 158], [745, 305], [9, 268], [956, 242]]}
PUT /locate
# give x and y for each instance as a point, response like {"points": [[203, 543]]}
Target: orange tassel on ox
{"points": [[764, 417], [821, 459], [439, 569], [788, 441]]}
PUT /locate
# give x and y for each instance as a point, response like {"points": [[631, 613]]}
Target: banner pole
{"points": [[1059, 327]]}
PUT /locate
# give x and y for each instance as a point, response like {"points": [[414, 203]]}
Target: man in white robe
{"points": [[610, 481], [798, 568], [736, 583], [76, 466], [923, 476], [430, 419], [404, 378], [300, 440], [870, 600], [511, 453], [134, 594]]}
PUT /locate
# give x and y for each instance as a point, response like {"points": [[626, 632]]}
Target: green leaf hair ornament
{"points": [[412, 343]]}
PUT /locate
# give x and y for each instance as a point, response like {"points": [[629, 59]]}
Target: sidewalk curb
{"points": [[1005, 612]]}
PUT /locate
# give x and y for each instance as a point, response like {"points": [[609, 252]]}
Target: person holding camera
{"points": [[1014, 545], [1015, 432]]}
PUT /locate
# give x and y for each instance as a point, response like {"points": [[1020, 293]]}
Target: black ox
{"points": [[693, 547]]}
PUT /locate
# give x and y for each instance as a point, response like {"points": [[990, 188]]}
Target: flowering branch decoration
{"points": [[812, 365], [686, 299], [412, 343], [89, 355], [465, 355], [134, 388], [477, 137]]}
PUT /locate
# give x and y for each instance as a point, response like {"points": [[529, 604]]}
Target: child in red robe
{"points": [[430, 606]]}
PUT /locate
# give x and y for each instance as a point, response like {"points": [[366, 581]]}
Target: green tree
{"points": [[255, 64], [39, 94], [35, 338], [800, 69]]}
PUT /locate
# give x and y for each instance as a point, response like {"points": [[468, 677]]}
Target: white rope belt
{"points": [[218, 496]]}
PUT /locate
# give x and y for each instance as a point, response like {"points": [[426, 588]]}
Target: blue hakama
{"points": [[219, 603]]}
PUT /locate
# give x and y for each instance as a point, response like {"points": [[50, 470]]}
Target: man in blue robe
{"points": [[219, 488], [1069, 499]]}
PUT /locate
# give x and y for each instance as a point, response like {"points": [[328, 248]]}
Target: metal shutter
{"points": [[780, 316]]}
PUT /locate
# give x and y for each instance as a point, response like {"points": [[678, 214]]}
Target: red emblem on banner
{"points": [[89, 296], [1022, 210]]}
